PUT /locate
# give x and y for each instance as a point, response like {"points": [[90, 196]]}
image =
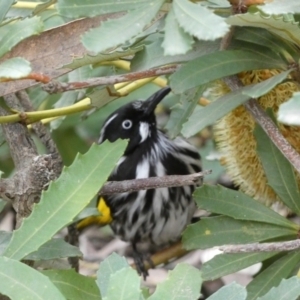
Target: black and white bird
{"points": [[156, 216]]}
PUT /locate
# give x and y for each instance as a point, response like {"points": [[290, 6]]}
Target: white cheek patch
{"points": [[144, 131], [104, 127]]}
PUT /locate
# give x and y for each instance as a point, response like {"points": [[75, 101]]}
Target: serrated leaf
{"points": [[53, 249], [19, 281], [220, 64], [199, 21], [176, 40], [223, 105], [91, 8], [237, 205], [65, 198], [115, 32], [89, 59], [289, 111], [287, 289], [4, 8], [288, 30], [279, 7], [73, 285], [181, 111], [18, 31], [15, 68], [222, 230], [153, 55], [279, 172], [232, 291], [108, 267], [183, 283], [272, 275], [124, 284], [224, 264]]}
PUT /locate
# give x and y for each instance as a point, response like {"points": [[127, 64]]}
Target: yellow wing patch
{"points": [[104, 218]]}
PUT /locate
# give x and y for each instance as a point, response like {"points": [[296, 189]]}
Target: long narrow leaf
{"points": [[65, 198], [19, 281], [220, 64], [272, 276], [279, 172], [235, 204], [222, 230]]}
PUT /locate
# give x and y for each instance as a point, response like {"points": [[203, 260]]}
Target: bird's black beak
{"points": [[150, 104]]}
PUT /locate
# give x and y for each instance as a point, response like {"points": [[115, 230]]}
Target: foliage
{"points": [[151, 34]]}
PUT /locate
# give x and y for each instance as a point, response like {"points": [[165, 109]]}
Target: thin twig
{"points": [[116, 187], [265, 247], [59, 87]]}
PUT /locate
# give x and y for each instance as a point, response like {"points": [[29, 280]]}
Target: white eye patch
{"points": [[104, 127]]}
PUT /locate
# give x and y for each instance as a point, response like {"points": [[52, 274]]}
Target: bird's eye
{"points": [[127, 124]]}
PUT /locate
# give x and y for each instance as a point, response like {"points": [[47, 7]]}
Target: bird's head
{"points": [[134, 121]]}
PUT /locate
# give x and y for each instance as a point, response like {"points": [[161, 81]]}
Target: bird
{"points": [[155, 216]]}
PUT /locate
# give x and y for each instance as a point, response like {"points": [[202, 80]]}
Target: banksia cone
{"points": [[237, 144]]}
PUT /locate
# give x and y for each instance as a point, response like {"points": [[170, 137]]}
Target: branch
{"points": [[265, 247], [116, 187], [59, 87], [267, 125]]}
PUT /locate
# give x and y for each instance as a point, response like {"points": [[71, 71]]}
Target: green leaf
{"points": [[5, 237], [176, 40], [124, 284], [232, 291], [272, 275], [289, 111], [115, 32], [108, 267], [264, 87], [18, 31], [217, 109], [288, 30], [55, 248], [78, 8], [181, 111], [153, 55], [65, 198], [265, 38], [224, 264], [4, 8], [279, 172], [223, 105], [222, 230], [287, 289], [15, 68], [19, 281], [183, 283], [199, 21], [73, 285], [220, 64], [89, 59], [279, 7], [237, 205]]}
